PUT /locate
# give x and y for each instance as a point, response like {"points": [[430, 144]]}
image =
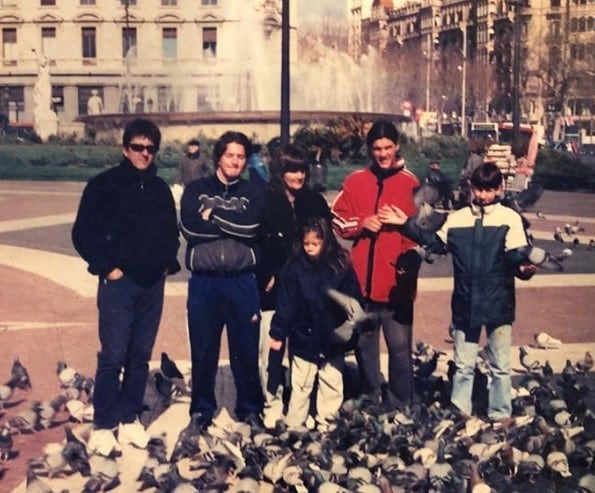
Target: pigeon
{"points": [[187, 442], [20, 374], [591, 245], [105, 475], [569, 373], [558, 235], [26, 421], [584, 366], [532, 366], [171, 372], [52, 463], [47, 410], [540, 215], [36, 485], [544, 259], [356, 316], [6, 443], [546, 341], [6, 392], [75, 453]]}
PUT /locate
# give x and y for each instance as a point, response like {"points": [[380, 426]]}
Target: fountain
{"points": [[244, 92]]}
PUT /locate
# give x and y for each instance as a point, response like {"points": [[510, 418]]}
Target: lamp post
{"points": [[285, 103], [463, 27], [516, 72]]}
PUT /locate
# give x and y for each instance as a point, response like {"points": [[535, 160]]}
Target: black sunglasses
{"points": [[152, 149]]}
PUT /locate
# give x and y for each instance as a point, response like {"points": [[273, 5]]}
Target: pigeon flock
{"points": [[424, 447]]}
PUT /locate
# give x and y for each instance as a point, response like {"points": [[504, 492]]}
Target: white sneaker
{"points": [[103, 442], [133, 433]]}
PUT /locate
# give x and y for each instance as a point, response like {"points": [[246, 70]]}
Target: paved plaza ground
{"points": [[48, 313]]}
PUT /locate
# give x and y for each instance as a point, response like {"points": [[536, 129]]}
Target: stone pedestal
{"points": [[45, 124]]}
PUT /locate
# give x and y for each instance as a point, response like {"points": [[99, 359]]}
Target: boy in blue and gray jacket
{"points": [[489, 249]]}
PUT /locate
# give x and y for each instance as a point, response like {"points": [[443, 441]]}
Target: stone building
{"points": [[138, 56], [432, 43]]}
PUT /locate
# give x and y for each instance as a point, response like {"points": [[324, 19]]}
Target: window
{"points": [[89, 42], [170, 42], [9, 43], [169, 2], [555, 3], [129, 42], [13, 102], [209, 2], [58, 99], [209, 41], [87, 2], [48, 2], [129, 2], [48, 42]]}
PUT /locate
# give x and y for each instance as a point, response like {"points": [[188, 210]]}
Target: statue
{"points": [[94, 103], [45, 121]]}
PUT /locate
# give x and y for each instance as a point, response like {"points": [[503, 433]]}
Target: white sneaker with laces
{"points": [[133, 433], [103, 442]]}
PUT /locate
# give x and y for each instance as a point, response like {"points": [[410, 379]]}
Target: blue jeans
{"points": [[465, 356], [129, 317], [215, 301]]}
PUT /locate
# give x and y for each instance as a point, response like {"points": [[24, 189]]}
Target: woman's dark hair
{"points": [[487, 176], [382, 129], [228, 138], [290, 158], [141, 127], [333, 254]]}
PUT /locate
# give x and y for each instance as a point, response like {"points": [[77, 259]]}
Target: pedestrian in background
{"points": [[220, 218], [377, 248], [289, 204], [126, 230], [437, 178], [488, 244], [306, 317], [193, 164]]}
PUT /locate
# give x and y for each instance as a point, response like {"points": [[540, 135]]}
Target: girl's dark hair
{"points": [[382, 129], [289, 158], [333, 254], [141, 127], [228, 138], [486, 177]]}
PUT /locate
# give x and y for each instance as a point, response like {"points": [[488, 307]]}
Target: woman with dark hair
{"points": [[289, 203]]}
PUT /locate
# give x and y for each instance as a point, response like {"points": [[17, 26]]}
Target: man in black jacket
{"points": [[126, 230]]}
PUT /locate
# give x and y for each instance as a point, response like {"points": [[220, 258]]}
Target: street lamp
{"points": [[516, 71], [285, 105], [463, 27]]}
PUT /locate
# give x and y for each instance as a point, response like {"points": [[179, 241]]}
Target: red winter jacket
{"points": [[362, 194]]}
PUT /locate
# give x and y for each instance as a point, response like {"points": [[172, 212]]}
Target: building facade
{"points": [[136, 56], [464, 49]]}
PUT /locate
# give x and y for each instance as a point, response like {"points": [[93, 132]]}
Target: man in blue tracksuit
{"points": [[220, 217]]}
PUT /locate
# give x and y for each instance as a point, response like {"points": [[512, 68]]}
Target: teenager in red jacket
{"points": [[375, 253]]}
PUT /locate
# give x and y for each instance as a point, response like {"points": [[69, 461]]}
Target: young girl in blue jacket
{"points": [[306, 316]]}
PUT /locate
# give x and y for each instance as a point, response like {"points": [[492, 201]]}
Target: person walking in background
{"points": [[126, 230], [377, 247], [437, 178], [489, 248], [306, 316], [257, 169], [289, 203], [220, 218], [193, 164]]}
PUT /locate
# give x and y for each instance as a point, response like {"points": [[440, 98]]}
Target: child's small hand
{"points": [[528, 268], [275, 345], [391, 214]]}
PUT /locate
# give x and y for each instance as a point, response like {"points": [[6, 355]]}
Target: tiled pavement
{"points": [[47, 310]]}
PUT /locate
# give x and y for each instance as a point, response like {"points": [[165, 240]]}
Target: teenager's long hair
{"points": [[332, 255]]}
